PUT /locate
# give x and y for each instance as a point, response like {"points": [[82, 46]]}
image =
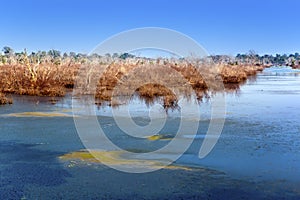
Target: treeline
{"points": [[9, 56], [253, 58]]}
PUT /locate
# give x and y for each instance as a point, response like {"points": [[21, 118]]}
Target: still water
{"points": [[256, 156]]}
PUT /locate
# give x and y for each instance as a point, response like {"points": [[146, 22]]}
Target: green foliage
{"points": [[72, 54], [126, 55], [54, 53], [8, 51], [3, 60]]}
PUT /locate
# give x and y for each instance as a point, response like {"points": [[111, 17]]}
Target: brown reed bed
{"points": [[38, 80], [146, 80], [149, 79]]}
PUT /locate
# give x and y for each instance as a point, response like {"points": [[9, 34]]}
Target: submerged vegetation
{"points": [[52, 74], [115, 158]]}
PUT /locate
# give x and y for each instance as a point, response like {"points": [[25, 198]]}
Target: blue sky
{"points": [[220, 26]]}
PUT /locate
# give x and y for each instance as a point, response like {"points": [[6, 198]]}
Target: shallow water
{"points": [[257, 155]]}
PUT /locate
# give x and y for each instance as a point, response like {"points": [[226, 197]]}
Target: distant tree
{"points": [[115, 55], [65, 55], [241, 58], [253, 57], [54, 53], [126, 55], [81, 55], [94, 55], [43, 54], [266, 59], [8, 51], [72, 54]]}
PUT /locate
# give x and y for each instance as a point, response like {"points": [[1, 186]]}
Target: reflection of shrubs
{"points": [[296, 66], [5, 100]]}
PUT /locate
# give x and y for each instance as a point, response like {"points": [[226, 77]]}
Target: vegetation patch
{"points": [[115, 158], [160, 137]]}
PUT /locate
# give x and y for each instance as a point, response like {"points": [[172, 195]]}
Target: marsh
{"points": [[257, 155]]}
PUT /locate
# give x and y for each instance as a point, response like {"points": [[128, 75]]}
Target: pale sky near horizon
{"points": [[221, 27]]}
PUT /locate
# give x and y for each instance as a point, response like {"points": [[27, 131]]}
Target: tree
{"points": [[253, 56], [72, 54], [8, 51], [54, 53], [81, 55], [126, 55], [115, 55], [43, 54], [65, 55]]}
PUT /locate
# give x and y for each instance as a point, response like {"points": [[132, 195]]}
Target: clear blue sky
{"points": [[221, 26]]}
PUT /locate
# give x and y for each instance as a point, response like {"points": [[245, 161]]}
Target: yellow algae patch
{"points": [[93, 156], [178, 167], [66, 110], [107, 157], [160, 137], [115, 158], [38, 114]]}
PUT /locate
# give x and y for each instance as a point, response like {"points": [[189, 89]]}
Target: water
{"points": [[257, 155]]}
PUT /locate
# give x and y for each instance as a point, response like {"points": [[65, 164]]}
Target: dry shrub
{"points": [[38, 80], [239, 73], [233, 74]]}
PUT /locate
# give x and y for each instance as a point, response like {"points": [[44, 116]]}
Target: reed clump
{"points": [[37, 80], [239, 73], [27, 80]]}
